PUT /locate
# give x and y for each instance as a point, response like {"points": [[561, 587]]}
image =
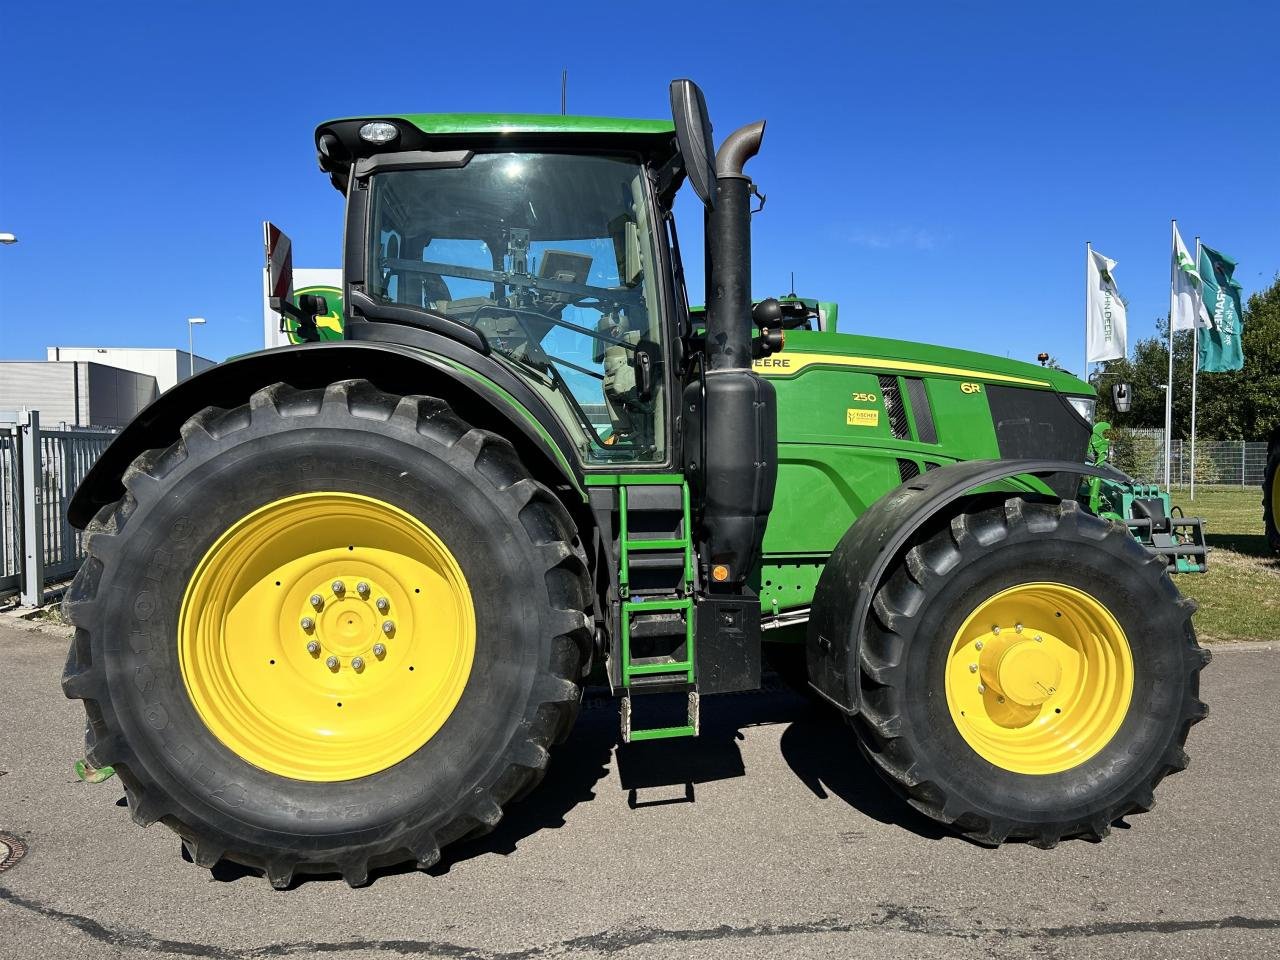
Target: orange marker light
{"points": [[720, 572]]}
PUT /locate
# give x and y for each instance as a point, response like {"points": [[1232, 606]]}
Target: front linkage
{"points": [[1148, 512]]}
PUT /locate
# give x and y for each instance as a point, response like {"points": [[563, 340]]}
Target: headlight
{"points": [[1083, 406], [379, 131]]}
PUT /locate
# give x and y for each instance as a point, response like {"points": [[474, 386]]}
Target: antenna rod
{"points": [[564, 87]]}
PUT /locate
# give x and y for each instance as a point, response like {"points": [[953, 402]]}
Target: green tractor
{"points": [[342, 598]]}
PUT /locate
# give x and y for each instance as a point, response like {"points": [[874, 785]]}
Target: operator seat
{"points": [[424, 290]]}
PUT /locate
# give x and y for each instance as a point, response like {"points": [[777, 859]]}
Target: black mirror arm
{"points": [[303, 313]]}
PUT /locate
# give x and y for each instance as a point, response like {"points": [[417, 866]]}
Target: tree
{"points": [[1242, 405]]}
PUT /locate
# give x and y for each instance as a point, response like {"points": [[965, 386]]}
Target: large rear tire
{"points": [[1029, 672], [328, 631]]}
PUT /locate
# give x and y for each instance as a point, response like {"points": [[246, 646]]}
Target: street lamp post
{"points": [[191, 344]]}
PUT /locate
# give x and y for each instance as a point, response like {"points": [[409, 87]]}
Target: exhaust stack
{"points": [[728, 254]]}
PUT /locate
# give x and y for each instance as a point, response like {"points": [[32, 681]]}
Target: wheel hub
{"points": [[350, 624], [326, 636], [1039, 678], [1022, 670]]}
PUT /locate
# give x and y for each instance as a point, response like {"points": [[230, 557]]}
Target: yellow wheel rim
{"points": [[326, 636], [1039, 678]]}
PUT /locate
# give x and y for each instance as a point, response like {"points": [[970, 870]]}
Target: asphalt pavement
{"points": [[766, 837]]}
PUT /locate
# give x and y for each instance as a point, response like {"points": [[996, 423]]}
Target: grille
{"points": [[893, 407], [908, 469], [1039, 424], [920, 407]]}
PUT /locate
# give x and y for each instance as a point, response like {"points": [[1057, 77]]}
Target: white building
{"points": [[72, 393], [166, 365]]}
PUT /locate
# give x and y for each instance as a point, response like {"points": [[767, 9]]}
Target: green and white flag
{"points": [[1105, 322], [1186, 309], [1220, 348]]}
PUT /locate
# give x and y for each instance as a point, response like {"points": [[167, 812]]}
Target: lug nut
{"points": [[999, 699], [308, 623], [995, 631], [362, 588], [338, 587], [357, 663], [973, 668], [1039, 639], [317, 601], [332, 663], [982, 688], [383, 605], [388, 627], [313, 648], [978, 645], [1017, 627], [379, 650]]}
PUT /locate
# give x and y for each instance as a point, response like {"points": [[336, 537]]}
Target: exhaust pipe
{"points": [[739, 147], [728, 254]]}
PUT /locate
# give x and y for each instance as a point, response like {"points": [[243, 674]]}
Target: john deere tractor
{"points": [[342, 598]]}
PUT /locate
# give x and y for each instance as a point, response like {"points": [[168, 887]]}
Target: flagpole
{"points": [[1195, 369], [1088, 252], [1168, 392]]}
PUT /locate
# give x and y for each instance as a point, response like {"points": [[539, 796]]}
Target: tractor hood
{"points": [[810, 348]]}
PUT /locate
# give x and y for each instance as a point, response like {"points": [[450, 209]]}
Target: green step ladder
{"points": [[654, 671]]}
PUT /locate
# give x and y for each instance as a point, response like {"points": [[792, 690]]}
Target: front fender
{"points": [[394, 367], [842, 600]]}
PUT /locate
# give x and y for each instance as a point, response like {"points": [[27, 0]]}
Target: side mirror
{"points": [[693, 135], [1120, 397]]}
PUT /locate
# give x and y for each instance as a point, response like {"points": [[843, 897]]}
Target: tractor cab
{"points": [[551, 256]]}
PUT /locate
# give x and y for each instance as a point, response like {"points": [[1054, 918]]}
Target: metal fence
{"points": [[39, 470], [1236, 463], [10, 513]]}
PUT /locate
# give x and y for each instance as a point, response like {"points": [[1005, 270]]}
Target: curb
{"points": [[27, 620]]}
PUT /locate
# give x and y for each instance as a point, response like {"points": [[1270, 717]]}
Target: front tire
{"points": [[1029, 672], [442, 668]]}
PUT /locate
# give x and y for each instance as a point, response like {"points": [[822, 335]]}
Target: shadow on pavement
{"points": [[817, 745]]}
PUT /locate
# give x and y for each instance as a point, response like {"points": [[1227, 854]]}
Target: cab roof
{"points": [[339, 144], [508, 123]]}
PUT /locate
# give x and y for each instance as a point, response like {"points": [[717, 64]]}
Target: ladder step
{"points": [[633, 666], [657, 544], [662, 733], [688, 729], [657, 561]]}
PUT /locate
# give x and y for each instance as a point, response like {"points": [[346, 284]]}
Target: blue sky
{"points": [[936, 168]]}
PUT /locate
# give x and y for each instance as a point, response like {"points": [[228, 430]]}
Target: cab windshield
{"points": [[550, 257]]}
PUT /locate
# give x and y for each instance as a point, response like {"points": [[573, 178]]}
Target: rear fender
{"points": [[842, 600], [396, 368]]}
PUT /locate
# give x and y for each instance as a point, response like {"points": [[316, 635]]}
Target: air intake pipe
{"points": [[735, 424]]}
